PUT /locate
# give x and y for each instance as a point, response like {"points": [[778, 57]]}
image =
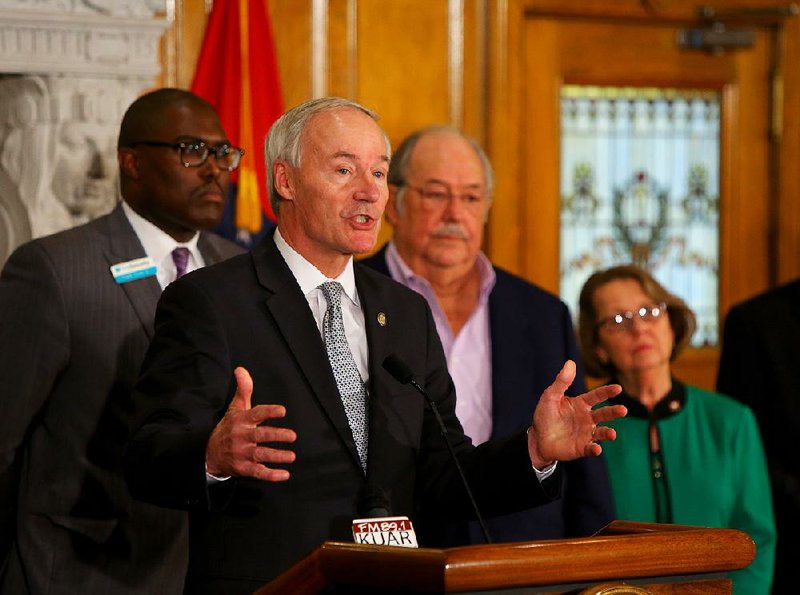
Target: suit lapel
{"points": [[512, 362], [211, 255], [124, 245], [375, 306], [382, 321], [294, 319], [499, 327]]}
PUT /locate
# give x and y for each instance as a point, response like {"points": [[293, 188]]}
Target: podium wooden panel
{"points": [[658, 558]]}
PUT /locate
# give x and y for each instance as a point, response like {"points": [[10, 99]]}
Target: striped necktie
{"points": [[180, 256]]}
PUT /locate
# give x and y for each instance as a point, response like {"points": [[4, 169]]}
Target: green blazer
{"points": [[714, 472]]}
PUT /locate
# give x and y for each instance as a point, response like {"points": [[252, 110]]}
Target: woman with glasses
{"points": [[682, 455]]}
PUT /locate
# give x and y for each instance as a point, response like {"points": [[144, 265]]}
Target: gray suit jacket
{"points": [[72, 343]]}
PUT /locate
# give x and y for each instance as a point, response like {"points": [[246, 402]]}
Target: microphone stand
{"points": [[443, 432]]}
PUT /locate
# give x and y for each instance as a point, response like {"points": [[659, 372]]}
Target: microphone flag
{"points": [[377, 526], [392, 531]]}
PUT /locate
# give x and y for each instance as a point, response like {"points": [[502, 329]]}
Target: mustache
{"points": [[450, 230]]}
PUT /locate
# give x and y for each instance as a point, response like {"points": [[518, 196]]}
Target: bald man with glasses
{"points": [[76, 316], [504, 338]]}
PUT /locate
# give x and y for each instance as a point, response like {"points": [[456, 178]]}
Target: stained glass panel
{"points": [[640, 183]]}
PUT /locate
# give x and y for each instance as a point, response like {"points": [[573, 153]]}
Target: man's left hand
{"points": [[566, 428]]}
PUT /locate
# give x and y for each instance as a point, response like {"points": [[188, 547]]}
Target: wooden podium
{"points": [[624, 557]]}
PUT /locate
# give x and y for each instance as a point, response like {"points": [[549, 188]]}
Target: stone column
{"points": [[68, 71]]}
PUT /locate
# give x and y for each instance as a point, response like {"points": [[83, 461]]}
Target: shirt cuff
{"points": [[542, 474], [546, 472], [212, 479]]}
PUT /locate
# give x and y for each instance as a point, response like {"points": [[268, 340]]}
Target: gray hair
{"points": [[398, 168], [283, 140]]}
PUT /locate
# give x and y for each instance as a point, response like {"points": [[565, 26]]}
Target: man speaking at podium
{"points": [[264, 408]]}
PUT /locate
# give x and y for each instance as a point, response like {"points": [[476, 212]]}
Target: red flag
{"points": [[237, 73]]}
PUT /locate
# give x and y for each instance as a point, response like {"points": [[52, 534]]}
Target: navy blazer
{"points": [[532, 337], [760, 366], [249, 311]]}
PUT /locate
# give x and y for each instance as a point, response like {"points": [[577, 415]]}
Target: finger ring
{"points": [[594, 429]]}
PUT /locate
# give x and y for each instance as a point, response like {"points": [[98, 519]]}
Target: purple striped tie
{"points": [[180, 256]]}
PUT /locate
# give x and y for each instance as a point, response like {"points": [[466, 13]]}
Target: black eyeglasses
{"points": [[623, 321], [195, 153]]}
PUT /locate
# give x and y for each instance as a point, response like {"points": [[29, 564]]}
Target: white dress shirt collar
{"points": [[310, 277], [158, 245]]}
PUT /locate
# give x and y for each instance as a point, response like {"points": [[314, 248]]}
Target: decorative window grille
{"points": [[640, 184]]}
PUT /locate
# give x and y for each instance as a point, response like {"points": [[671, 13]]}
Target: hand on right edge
{"points": [[236, 444]]}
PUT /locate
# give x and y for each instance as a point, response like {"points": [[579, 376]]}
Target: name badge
{"points": [[133, 269]]}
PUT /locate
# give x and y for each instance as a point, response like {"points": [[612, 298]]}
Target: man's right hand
{"points": [[236, 444]]}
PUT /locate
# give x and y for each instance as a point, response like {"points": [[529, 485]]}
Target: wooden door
{"points": [[597, 50]]}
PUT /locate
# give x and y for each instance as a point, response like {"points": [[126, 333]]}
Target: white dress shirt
{"points": [[158, 245], [310, 278]]}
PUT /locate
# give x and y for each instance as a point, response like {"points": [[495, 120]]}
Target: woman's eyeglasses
{"points": [[623, 321]]}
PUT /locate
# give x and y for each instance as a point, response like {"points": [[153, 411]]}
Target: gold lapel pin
{"points": [[381, 318]]}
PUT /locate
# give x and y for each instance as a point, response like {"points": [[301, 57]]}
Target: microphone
{"points": [[398, 369], [376, 527], [372, 502]]}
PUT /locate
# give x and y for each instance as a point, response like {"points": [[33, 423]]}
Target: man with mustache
{"points": [[264, 407], [503, 337], [76, 316]]}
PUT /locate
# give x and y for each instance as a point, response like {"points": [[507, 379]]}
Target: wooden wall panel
{"points": [[539, 215], [402, 70], [342, 18], [787, 227], [475, 70], [397, 58], [504, 136], [291, 30], [180, 46], [744, 212], [402, 63]]}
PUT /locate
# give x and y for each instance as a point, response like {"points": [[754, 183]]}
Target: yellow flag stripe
{"points": [[248, 201]]}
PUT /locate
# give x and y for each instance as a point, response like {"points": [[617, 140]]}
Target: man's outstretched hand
{"points": [[566, 428], [236, 446]]}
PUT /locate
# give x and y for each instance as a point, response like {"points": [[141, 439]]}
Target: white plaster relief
{"points": [[135, 8], [58, 147], [68, 71], [90, 45]]}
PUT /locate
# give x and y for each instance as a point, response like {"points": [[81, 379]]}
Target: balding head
{"points": [[440, 184], [398, 171]]}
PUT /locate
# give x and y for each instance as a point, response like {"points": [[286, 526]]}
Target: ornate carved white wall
{"points": [[68, 70]]}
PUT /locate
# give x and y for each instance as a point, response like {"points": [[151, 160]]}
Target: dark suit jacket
{"points": [[249, 311], [760, 366], [72, 343], [532, 337]]}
